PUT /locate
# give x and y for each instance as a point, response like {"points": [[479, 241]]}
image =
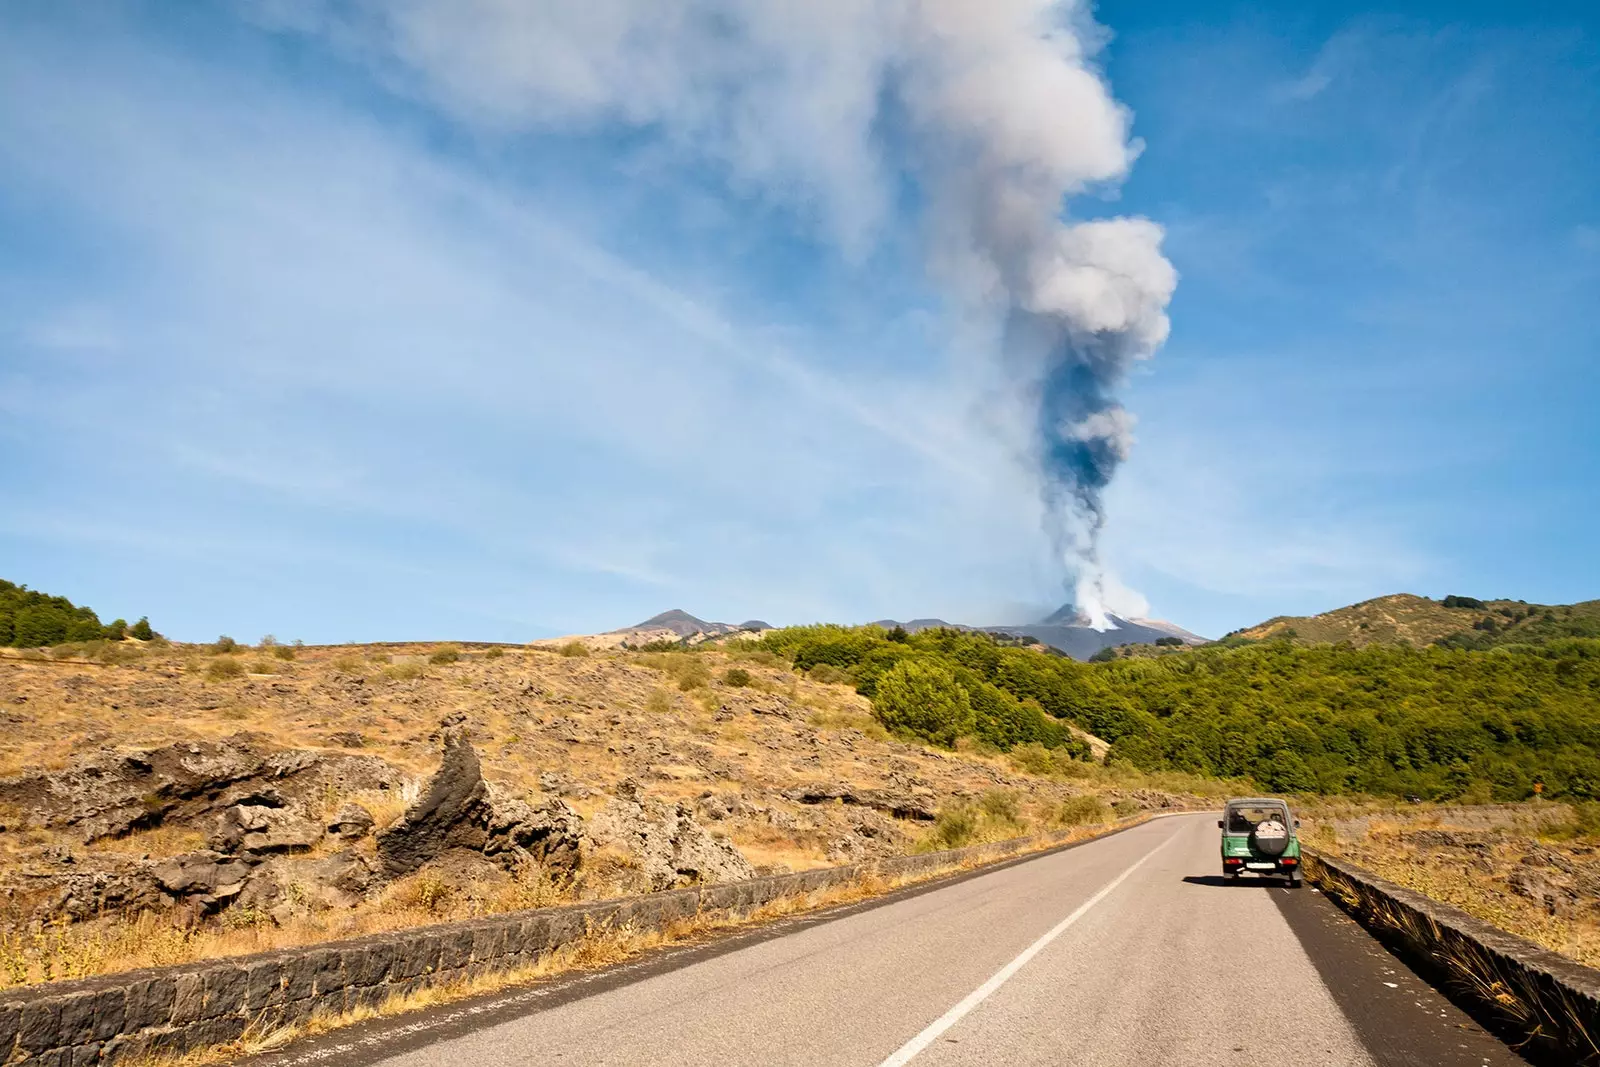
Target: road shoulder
{"points": [[1402, 1020]]}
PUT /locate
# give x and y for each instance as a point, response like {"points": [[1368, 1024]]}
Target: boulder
{"points": [[669, 848], [255, 830], [453, 812], [551, 834], [204, 878], [352, 823]]}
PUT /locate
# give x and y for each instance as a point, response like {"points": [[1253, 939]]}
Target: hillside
{"points": [[31, 619], [1463, 622], [261, 792]]}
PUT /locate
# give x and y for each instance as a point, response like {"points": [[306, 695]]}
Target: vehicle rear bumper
{"points": [[1283, 865]]}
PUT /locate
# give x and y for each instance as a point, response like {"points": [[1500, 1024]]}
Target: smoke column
{"points": [[996, 112]]}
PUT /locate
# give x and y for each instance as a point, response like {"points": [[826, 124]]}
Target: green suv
{"points": [[1258, 837]]}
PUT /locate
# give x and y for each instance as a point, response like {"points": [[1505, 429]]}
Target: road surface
{"points": [[1122, 952]]}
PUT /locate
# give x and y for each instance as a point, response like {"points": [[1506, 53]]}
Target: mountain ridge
{"points": [[1074, 638]]}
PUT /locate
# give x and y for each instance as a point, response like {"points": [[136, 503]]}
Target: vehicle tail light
{"points": [[1233, 859], [1289, 861]]}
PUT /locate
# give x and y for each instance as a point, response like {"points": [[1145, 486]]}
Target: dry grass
{"points": [[1382, 839], [588, 721]]}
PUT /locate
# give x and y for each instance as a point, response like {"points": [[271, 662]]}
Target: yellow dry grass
{"points": [[1378, 838]]}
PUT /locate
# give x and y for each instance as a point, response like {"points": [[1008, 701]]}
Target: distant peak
{"points": [[667, 618]]}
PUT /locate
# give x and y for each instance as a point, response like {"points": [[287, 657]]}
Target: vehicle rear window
{"points": [[1244, 819]]}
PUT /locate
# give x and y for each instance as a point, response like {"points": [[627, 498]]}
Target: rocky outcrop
{"points": [[453, 812], [668, 847], [352, 823], [260, 827], [112, 794], [458, 811], [900, 803]]}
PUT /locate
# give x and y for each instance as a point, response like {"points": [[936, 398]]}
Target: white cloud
{"points": [[327, 332]]}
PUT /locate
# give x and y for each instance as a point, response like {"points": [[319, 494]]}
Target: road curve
{"points": [[1124, 951]]}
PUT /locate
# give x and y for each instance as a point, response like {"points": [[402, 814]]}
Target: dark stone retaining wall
{"points": [[1509, 982], [175, 1009]]}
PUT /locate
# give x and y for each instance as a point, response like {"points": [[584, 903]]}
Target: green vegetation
{"points": [[1455, 622], [1441, 723], [30, 619], [736, 677], [942, 685], [445, 654]]}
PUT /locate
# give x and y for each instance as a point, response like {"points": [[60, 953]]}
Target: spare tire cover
{"points": [[1270, 838]]}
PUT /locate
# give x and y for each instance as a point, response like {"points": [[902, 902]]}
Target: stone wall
{"points": [[1536, 996], [179, 1008]]}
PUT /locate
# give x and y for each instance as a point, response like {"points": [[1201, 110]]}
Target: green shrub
{"points": [[1082, 811], [828, 674], [224, 645], [737, 677], [404, 671], [1001, 805], [659, 702], [693, 673], [220, 670], [141, 631], [445, 654], [574, 649], [494, 653], [923, 699], [955, 827], [283, 652]]}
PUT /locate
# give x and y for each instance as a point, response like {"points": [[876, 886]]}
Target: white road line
{"points": [[905, 1053]]}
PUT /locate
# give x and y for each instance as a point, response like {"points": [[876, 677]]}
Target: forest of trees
{"points": [[1437, 722], [30, 619]]}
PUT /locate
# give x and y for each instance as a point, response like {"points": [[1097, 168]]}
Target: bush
{"points": [[659, 702], [574, 649], [828, 674], [224, 645], [693, 673], [494, 653], [955, 827], [403, 671], [220, 670], [737, 677], [141, 631], [1464, 602], [923, 699], [1000, 804], [283, 652], [1082, 811], [445, 654]]}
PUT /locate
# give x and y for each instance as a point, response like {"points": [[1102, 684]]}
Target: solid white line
{"points": [[906, 1052]]}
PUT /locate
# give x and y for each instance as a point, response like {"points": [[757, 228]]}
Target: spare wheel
{"points": [[1270, 838]]}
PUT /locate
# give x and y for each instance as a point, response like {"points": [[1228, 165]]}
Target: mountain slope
{"points": [[1466, 622], [1067, 630]]}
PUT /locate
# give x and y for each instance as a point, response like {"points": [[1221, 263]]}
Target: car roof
{"points": [[1257, 800]]}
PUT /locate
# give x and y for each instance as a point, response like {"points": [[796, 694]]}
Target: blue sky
{"points": [[296, 340]]}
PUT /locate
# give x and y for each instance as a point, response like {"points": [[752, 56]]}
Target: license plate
{"points": [[1262, 866]]}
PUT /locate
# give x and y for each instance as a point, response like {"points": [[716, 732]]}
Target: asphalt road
{"points": [[1125, 951]]}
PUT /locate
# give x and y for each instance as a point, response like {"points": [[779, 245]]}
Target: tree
{"points": [[924, 699], [140, 631]]}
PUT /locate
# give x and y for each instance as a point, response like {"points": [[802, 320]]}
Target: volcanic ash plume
{"points": [[992, 109]]}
